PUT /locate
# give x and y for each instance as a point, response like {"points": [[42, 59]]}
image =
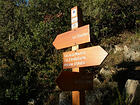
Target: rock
{"points": [[132, 53], [64, 98], [102, 95], [118, 48], [92, 97], [132, 90], [96, 82], [106, 73], [31, 102]]}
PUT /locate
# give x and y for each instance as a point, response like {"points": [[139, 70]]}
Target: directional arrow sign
{"points": [[71, 81], [91, 56], [73, 37]]}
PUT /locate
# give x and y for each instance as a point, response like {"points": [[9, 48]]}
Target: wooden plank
{"points": [[72, 81], [73, 37], [91, 56]]}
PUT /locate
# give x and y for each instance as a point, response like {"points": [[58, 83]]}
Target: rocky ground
{"points": [[117, 81]]}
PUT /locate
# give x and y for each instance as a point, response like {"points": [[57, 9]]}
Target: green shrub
{"points": [[109, 17]]}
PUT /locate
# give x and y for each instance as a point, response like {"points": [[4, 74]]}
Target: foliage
{"points": [[29, 64], [109, 17]]}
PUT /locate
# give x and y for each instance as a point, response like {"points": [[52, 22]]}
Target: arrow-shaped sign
{"points": [[73, 37], [71, 81], [92, 56]]}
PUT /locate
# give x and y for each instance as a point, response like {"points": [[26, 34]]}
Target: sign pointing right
{"points": [[91, 56]]}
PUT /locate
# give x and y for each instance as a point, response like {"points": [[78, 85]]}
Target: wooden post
{"points": [[78, 97]]}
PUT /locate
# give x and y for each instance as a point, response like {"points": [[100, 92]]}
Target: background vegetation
{"points": [[29, 64]]}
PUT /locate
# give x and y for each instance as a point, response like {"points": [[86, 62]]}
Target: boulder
{"points": [[65, 98], [132, 90], [132, 53], [31, 102], [118, 48], [107, 74]]}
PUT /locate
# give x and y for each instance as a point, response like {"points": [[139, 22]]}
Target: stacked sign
{"points": [[91, 56]]}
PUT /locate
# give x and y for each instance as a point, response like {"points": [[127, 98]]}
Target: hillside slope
{"points": [[117, 79]]}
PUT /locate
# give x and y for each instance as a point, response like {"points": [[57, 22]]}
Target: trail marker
{"points": [[91, 56]]}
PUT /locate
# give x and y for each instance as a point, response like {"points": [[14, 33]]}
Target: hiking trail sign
{"points": [[91, 56], [77, 81], [73, 37]]}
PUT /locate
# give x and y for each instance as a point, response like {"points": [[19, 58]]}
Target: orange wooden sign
{"points": [[73, 37], [91, 56], [71, 81]]}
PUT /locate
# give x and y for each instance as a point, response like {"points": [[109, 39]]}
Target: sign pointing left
{"points": [[73, 37]]}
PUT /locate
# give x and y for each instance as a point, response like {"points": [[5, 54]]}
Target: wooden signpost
{"points": [[78, 97], [77, 81], [70, 81]]}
